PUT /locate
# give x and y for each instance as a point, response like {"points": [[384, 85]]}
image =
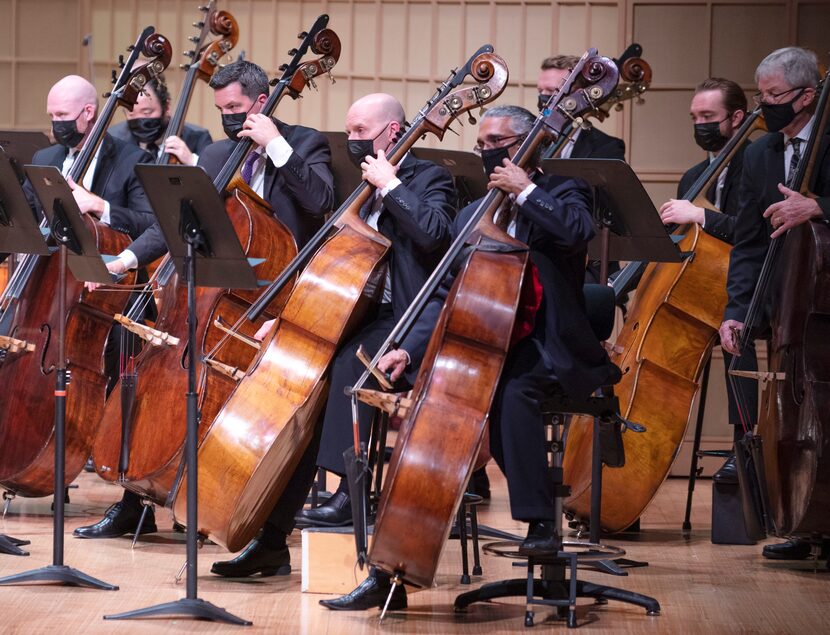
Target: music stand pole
{"points": [[190, 214], [58, 571]]}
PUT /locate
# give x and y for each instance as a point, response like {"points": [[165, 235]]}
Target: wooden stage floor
{"points": [[703, 588]]}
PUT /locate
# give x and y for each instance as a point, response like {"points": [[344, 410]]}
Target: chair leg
{"points": [[474, 529], [462, 538]]}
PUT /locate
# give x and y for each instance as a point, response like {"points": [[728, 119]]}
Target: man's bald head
{"points": [[377, 116], [73, 98]]}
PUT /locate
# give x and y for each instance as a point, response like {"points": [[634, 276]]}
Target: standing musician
{"points": [[294, 178], [717, 110], [412, 208], [553, 216], [147, 122], [768, 208]]}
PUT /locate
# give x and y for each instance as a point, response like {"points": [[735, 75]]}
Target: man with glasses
{"points": [[558, 350], [768, 206], [411, 207]]}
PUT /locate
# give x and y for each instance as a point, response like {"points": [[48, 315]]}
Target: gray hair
{"points": [[521, 120], [798, 66]]}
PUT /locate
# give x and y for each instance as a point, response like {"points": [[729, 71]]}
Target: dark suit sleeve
{"points": [[197, 139], [751, 240], [137, 215], [149, 245], [422, 207], [721, 226], [564, 213], [307, 173]]}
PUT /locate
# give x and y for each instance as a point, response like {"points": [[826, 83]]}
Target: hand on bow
{"points": [[680, 212], [730, 335], [394, 363], [178, 148]]}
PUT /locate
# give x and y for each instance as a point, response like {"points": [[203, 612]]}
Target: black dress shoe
{"points": [[371, 593], [336, 512], [728, 473], [256, 558], [795, 549], [119, 519], [480, 484], [541, 539]]}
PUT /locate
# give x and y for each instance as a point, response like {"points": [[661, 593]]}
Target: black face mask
{"points": [[779, 116], [709, 137], [146, 129], [232, 124], [542, 101], [493, 158], [66, 132], [359, 149]]}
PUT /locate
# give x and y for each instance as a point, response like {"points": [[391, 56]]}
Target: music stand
{"points": [[205, 250], [630, 229], [347, 175], [19, 233], [69, 231], [466, 169], [20, 146]]}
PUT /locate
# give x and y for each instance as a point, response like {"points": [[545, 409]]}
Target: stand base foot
{"points": [[186, 607], [62, 575], [12, 546], [485, 532], [555, 590], [616, 566]]}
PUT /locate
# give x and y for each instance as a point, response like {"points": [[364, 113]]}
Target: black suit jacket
{"points": [[595, 144], [416, 218], [114, 181], [763, 171], [719, 224], [195, 137], [556, 223], [301, 192]]}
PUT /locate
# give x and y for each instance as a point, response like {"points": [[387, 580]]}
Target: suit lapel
{"points": [[775, 167]]}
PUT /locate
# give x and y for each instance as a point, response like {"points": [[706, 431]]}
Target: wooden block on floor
{"points": [[329, 561]]}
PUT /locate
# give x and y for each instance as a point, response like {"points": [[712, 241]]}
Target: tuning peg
{"points": [[302, 35], [106, 95], [120, 61], [331, 77], [471, 119], [194, 39], [188, 53], [204, 8], [283, 67], [131, 48], [453, 131], [312, 83], [114, 77], [293, 52], [199, 25], [184, 66]]}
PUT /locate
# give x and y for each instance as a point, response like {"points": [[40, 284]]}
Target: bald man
{"points": [[412, 207], [110, 190]]}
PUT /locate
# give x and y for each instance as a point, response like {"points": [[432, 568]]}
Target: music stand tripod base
{"points": [[186, 607], [61, 574]]}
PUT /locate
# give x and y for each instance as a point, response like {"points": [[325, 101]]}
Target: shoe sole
{"points": [[267, 572]]}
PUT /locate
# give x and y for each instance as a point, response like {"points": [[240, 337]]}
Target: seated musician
{"points": [[288, 168], [768, 208], [147, 122], [411, 206], [553, 216], [592, 143], [300, 196], [584, 144], [110, 190], [717, 111]]}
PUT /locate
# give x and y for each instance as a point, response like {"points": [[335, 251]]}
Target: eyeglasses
{"points": [[773, 98], [490, 143]]}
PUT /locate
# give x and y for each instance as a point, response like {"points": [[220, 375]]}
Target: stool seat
{"points": [[582, 550]]}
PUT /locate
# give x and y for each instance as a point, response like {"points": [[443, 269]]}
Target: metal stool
{"points": [[554, 588]]}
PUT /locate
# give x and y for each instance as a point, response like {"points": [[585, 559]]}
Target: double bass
{"points": [[138, 385], [662, 349], [259, 437], [27, 412], [440, 437], [157, 438]]}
